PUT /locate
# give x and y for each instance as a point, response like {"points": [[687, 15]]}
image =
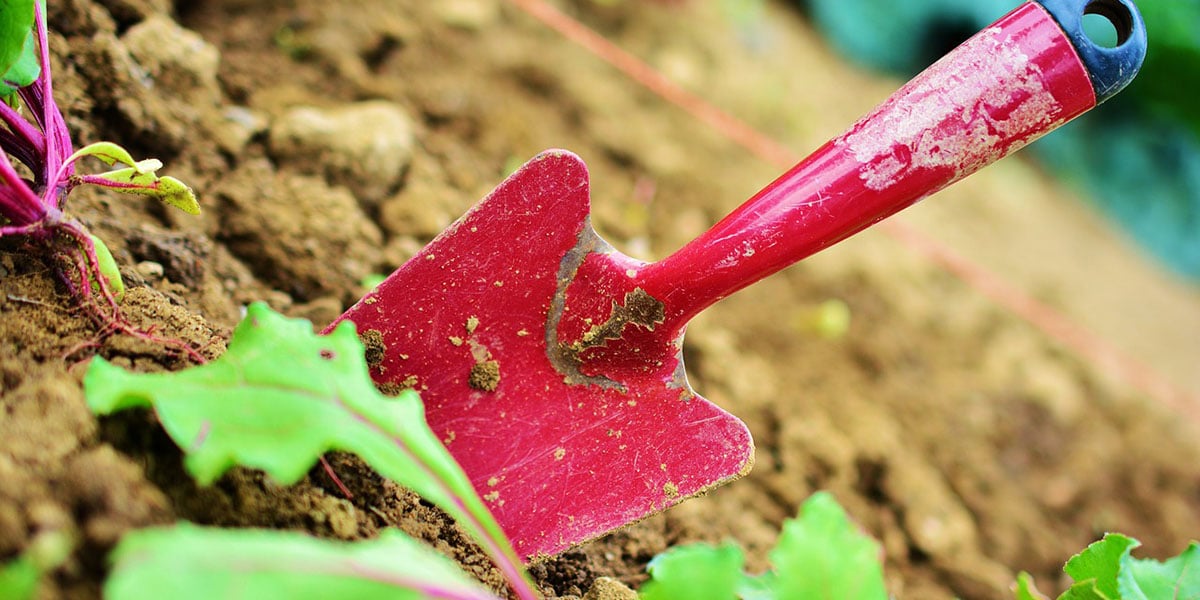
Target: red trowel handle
{"points": [[1020, 78]]}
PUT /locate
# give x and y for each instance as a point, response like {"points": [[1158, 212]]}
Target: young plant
{"points": [[820, 554], [34, 191], [280, 397], [1107, 570]]}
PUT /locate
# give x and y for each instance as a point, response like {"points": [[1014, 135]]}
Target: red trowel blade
{"points": [[550, 364], [472, 323]]}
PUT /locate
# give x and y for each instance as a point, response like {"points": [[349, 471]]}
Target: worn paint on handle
{"points": [[1000, 90], [980, 104]]}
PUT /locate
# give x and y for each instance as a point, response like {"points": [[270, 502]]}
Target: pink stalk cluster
{"points": [[33, 207]]}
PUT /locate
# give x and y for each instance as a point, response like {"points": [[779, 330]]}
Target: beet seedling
{"points": [[34, 191], [280, 398]]}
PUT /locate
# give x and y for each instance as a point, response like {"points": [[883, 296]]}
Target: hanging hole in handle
{"points": [[1107, 23], [1110, 68]]}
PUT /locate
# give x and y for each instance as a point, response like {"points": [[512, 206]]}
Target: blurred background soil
{"points": [[329, 141]]}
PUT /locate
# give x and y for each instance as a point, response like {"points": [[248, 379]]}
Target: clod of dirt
{"points": [[183, 69], [298, 233], [349, 46], [238, 125], [365, 146], [115, 86], [113, 490], [183, 258], [417, 213], [180, 62], [46, 420], [375, 348], [55, 478], [471, 15], [127, 12], [146, 308], [670, 490], [485, 375], [640, 308], [607, 588]]}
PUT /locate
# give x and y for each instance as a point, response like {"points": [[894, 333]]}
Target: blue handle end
{"points": [[1111, 69]]}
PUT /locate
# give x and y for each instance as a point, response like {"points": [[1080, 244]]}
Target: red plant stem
{"points": [[18, 203], [19, 149], [75, 231], [58, 139], [41, 93], [337, 481], [28, 230], [1054, 324], [24, 133], [107, 317], [115, 185]]}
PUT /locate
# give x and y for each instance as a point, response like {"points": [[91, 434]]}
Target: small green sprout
{"points": [[829, 320], [372, 281], [139, 177], [1107, 570], [820, 554]]}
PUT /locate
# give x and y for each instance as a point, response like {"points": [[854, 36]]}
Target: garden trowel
{"points": [[550, 364]]}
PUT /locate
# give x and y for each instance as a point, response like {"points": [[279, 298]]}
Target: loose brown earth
{"points": [[328, 143]]}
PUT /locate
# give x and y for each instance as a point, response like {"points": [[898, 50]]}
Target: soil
{"points": [[328, 144]]}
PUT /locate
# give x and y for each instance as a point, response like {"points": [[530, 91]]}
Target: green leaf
{"points": [[1025, 590], [372, 281], [19, 579], [139, 177], [107, 266], [823, 555], [694, 572], [137, 180], [1172, 59], [16, 33], [757, 588], [1099, 564], [186, 562], [111, 154], [282, 396], [1084, 590], [1148, 579], [819, 555], [23, 72]]}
